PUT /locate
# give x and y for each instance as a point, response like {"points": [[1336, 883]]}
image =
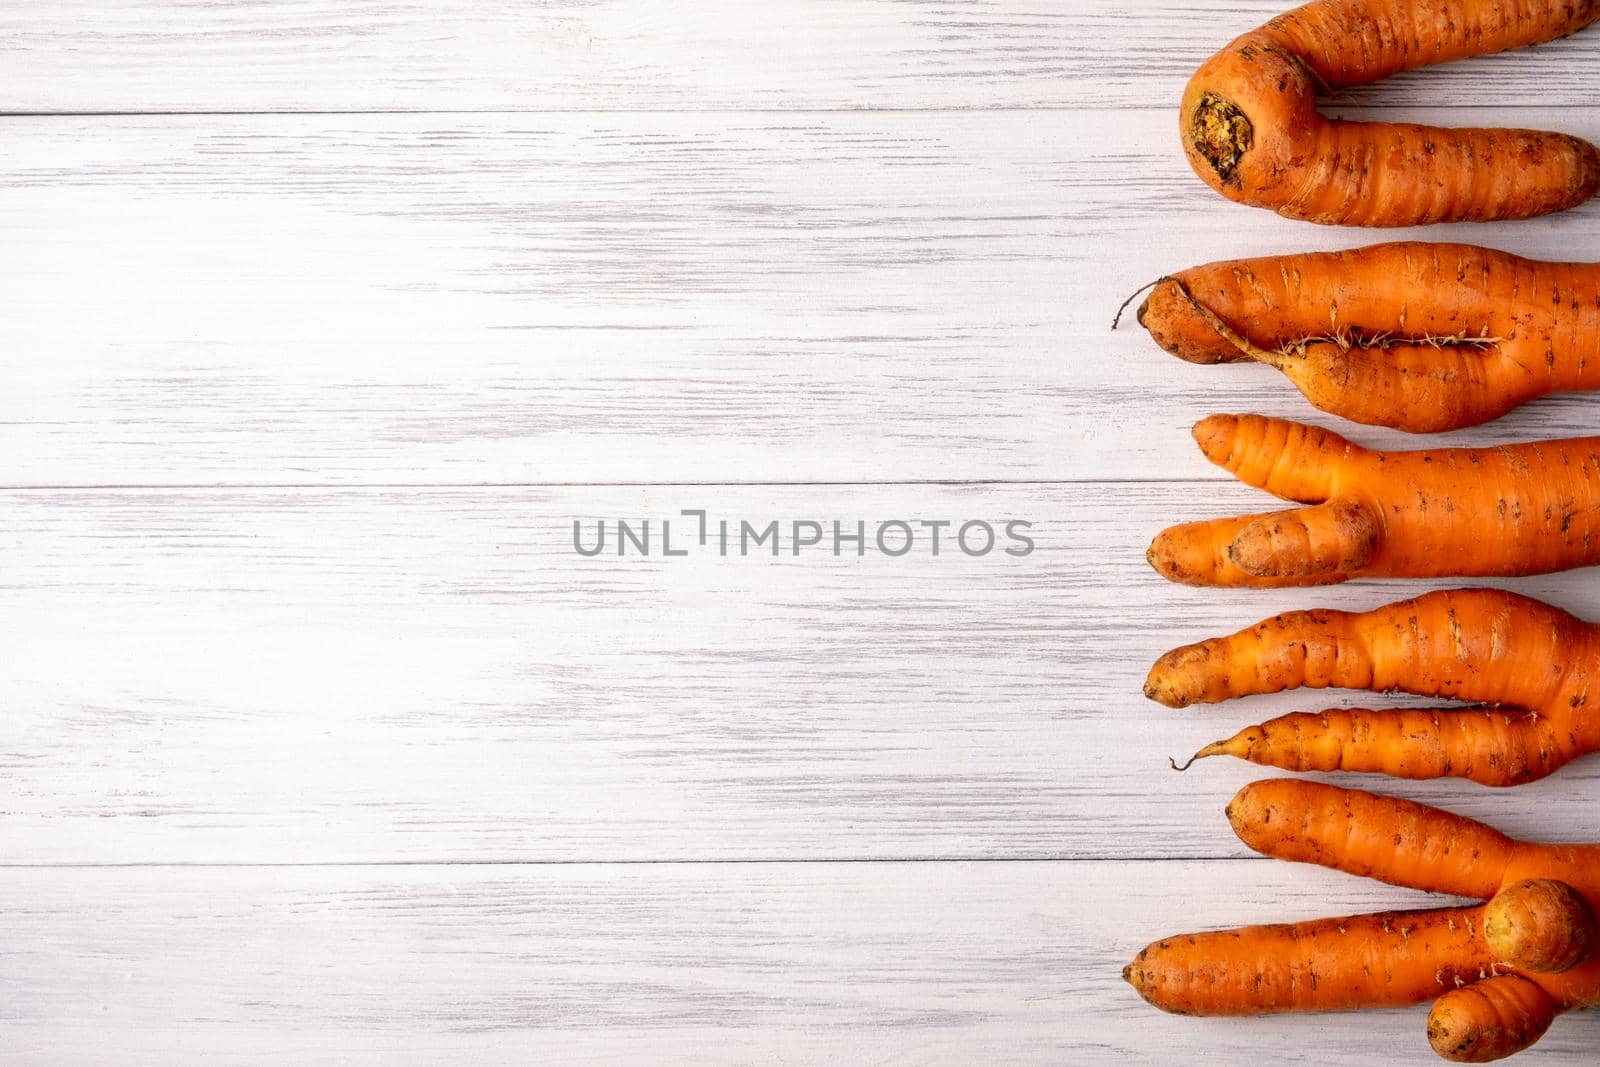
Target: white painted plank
{"points": [[342, 675], [808, 963], [139, 55], [349, 675], [406, 299]]}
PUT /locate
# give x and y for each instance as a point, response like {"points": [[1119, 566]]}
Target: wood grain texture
{"points": [[341, 675], [255, 55], [713, 242], [809, 963], [427, 299]]}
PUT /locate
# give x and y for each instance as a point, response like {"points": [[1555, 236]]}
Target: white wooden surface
{"points": [[891, 963], [573, 298], [607, 55], [320, 744]]}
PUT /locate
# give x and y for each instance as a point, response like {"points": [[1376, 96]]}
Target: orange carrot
{"points": [[1543, 925], [1251, 128], [1523, 509], [1420, 337], [1396, 958], [1534, 666], [1489, 1020]]}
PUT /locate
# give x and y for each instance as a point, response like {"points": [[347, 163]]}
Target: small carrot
{"points": [[1535, 668], [1421, 337], [1523, 509], [1489, 1020], [1485, 1005], [1252, 132]]}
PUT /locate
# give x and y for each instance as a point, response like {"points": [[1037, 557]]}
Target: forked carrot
{"points": [[1520, 509], [1533, 671], [1421, 337], [1498, 974]]}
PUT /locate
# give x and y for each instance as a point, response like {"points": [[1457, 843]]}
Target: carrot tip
{"points": [[1245, 346], [1216, 748], [1166, 694], [1215, 435]]}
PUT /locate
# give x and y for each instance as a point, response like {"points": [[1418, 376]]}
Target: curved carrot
{"points": [[1252, 132], [1523, 509], [1421, 337], [1535, 664], [1486, 1005]]}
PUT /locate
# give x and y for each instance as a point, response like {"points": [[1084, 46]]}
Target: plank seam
{"points": [[380, 486], [644, 862], [1366, 106]]}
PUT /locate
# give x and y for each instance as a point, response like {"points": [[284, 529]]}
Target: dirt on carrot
{"points": [[1252, 131], [1526, 671], [1520, 509], [1485, 1006], [1417, 336]]}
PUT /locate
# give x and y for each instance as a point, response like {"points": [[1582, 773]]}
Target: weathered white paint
{"points": [[648, 963], [439, 299], [678, 244], [611, 55], [329, 675]]}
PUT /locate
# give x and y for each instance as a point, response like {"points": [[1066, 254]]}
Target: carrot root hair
{"points": [[1116, 320]]}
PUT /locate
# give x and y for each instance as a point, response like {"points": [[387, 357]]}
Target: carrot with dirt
{"points": [[1498, 974], [1251, 129], [1528, 671], [1511, 510], [1416, 336]]}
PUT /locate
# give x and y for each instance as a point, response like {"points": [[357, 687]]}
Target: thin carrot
{"points": [[1523, 509], [1535, 667], [1397, 958], [1251, 129], [1421, 337]]}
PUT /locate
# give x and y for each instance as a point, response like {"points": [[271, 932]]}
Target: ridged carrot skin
{"points": [[1511, 510], [1416, 336], [1489, 1020], [1261, 970], [1536, 667], [1393, 958], [1251, 129]]}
